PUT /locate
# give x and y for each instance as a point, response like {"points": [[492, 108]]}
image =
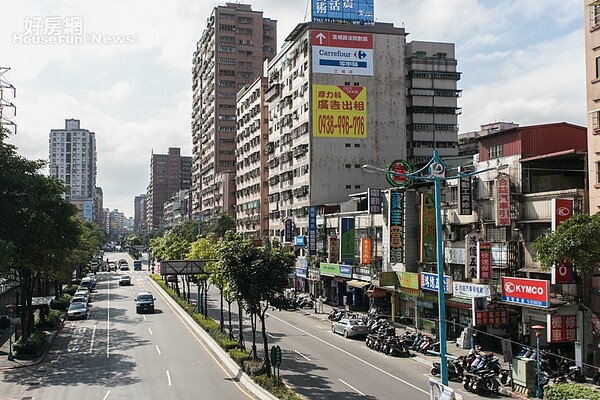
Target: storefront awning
{"points": [[358, 284]]}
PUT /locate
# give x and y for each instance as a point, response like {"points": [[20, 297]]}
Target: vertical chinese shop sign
{"points": [[428, 241]]}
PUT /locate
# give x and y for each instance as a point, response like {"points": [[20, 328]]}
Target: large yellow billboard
{"points": [[339, 111]]}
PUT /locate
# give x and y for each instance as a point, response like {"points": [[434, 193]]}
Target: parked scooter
{"points": [[455, 369]]}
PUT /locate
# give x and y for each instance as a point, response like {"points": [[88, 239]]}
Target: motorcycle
{"points": [[481, 384], [455, 369]]}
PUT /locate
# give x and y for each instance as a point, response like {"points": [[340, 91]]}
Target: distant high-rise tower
{"points": [[73, 161], [139, 213], [228, 56], [169, 173]]}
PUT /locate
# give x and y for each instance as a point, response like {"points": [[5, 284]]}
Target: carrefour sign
{"points": [[533, 292]]}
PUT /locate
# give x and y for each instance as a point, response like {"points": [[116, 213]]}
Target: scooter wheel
{"points": [[435, 371]]}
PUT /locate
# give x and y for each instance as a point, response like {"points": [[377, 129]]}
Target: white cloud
{"points": [[521, 61]]}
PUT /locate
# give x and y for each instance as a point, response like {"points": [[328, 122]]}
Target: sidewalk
{"points": [[427, 360], [6, 364]]}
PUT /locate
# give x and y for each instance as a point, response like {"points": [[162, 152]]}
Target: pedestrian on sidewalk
{"points": [[320, 301]]}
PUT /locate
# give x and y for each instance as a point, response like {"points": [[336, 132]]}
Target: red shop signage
{"points": [[534, 292], [491, 317], [563, 328]]}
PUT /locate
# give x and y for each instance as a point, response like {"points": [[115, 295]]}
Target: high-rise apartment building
{"points": [[432, 101], [72, 154], [592, 68], [328, 118], [169, 173], [252, 205], [228, 56], [139, 213]]}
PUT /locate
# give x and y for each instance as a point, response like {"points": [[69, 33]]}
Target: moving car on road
{"points": [[349, 327], [144, 302], [124, 280], [77, 311]]}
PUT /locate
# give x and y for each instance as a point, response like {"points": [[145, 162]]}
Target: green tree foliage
{"points": [[170, 246], [575, 240], [188, 231], [219, 225], [256, 275], [204, 249], [37, 226], [133, 240]]}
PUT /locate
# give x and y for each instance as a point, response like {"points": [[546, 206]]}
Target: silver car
{"points": [[349, 327]]}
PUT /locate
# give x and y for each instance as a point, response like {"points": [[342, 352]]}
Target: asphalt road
{"points": [[319, 364], [118, 354]]}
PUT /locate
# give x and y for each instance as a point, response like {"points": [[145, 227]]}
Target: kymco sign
{"points": [[534, 292]]}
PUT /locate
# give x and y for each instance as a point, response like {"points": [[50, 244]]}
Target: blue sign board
{"points": [[430, 282], [288, 229], [346, 271], [301, 273], [300, 241], [343, 11], [88, 207], [312, 230]]}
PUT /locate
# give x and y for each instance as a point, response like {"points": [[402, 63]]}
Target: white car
{"points": [[77, 311], [82, 293], [349, 327], [79, 299]]}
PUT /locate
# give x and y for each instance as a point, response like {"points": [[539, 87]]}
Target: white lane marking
{"points": [[106, 396], [150, 330], [322, 327], [271, 336], [157, 349], [145, 318], [169, 378], [352, 387], [92, 341], [302, 355], [108, 322], [351, 355]]}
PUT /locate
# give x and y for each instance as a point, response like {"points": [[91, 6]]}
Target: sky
{"points": [[521, 61]]}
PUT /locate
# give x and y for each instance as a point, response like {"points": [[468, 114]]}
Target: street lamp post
{"points": [[435, 171], [539, 392]]}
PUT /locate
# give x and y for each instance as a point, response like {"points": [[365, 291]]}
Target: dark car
{"points": [[124, 280], [144, 302], [77, 311]]}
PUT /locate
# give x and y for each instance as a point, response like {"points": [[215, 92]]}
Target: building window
{"points": [[348, 186], [595, 14], [596, 122], [597, 171], [495, 151]]}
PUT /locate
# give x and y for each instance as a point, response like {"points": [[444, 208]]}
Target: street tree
{"points": [[219, 225], [257, 275], [204, 249], [575, 240], [38, 227]]}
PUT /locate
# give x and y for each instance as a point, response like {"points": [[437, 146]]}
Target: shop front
{"points": [[301, 276], [427, 307], [334, 278]]}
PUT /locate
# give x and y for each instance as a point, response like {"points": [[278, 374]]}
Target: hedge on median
{"points": [[562, 391], [32, 346]]}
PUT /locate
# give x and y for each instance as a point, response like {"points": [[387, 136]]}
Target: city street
{"points": [[117, 353]]}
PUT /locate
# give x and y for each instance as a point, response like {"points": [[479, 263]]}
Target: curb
{"points": [[216, 350], [37, 360]]}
